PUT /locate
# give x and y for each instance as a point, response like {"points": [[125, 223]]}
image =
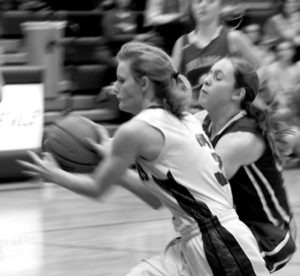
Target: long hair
{"points": [[270, 122], [171, 89]]}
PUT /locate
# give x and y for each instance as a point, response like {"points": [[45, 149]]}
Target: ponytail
{"points": [[174, 94]]}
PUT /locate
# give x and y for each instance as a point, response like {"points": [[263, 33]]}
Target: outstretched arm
{"points": [[124, 149], [126, 146]]}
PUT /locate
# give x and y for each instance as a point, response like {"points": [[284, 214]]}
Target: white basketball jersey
{"points": [[187, 174]]}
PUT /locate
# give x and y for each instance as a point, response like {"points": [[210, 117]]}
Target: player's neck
{"points": [[153, 104], [220, 119], [205, 34], [208, 30]]}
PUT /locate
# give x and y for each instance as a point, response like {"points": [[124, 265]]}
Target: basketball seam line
{"points": [[78, 140], [69, 160]]}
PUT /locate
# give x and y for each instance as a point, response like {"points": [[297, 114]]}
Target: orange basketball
{"points": [[66, 140]]}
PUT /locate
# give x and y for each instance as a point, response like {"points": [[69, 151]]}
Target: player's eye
{"points": [[218, 75]]}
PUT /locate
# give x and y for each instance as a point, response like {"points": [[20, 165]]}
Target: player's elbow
{"points": [[155, 204], [96, 190]]}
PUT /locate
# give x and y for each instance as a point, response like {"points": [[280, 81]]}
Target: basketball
{"points": [[66, 140]]}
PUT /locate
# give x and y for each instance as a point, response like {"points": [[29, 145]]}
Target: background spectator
{"points": [[169, 19], [284, 84], [284, 73], [254, 33], [284, 24], [194, 53], [118, 25]]}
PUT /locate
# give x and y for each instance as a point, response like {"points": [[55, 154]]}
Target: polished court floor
{"points": [[46, 230]]}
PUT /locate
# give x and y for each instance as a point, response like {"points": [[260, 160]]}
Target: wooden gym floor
{"points": [[46, 230]]}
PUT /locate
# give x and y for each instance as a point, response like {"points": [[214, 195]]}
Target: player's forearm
{"points": [[132, 183], [82, 184]]}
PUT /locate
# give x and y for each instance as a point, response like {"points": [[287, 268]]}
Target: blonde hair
{"points": [[171, 88]]}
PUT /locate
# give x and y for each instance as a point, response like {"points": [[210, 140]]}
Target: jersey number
{"points": [[203, 141]]}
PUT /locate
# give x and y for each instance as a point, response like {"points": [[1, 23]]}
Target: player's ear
{"points": [[239, 94], [145, 83]]}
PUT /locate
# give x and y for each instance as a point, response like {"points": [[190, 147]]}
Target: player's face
{"points": [[206, 10], [291, 6], [218, 86], [253, 32], [128, 90], [285, 51]]}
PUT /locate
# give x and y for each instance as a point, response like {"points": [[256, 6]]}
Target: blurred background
{"points": [[58, 57]]}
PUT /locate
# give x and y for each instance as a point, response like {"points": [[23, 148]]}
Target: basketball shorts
{"points": [[185, 256]]}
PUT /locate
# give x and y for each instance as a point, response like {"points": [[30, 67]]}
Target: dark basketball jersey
{"points": [[196, 62], [260, 198]]}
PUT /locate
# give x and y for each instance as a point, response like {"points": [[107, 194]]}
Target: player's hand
{"points": [[103, 133], [44, 167], [102, 148]]}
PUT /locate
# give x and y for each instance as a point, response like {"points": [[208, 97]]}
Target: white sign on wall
{"points": [[21, 117]]}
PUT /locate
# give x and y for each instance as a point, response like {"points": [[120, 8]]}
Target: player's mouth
{"points": [[203, 91]]}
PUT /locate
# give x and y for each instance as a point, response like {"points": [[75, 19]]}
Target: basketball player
{"points": [[194, 53], [178, 167], [249, 144]]}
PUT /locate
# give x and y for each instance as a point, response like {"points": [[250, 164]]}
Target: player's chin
{"points": [[126, 108], [202, 99], [122, 107]]}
